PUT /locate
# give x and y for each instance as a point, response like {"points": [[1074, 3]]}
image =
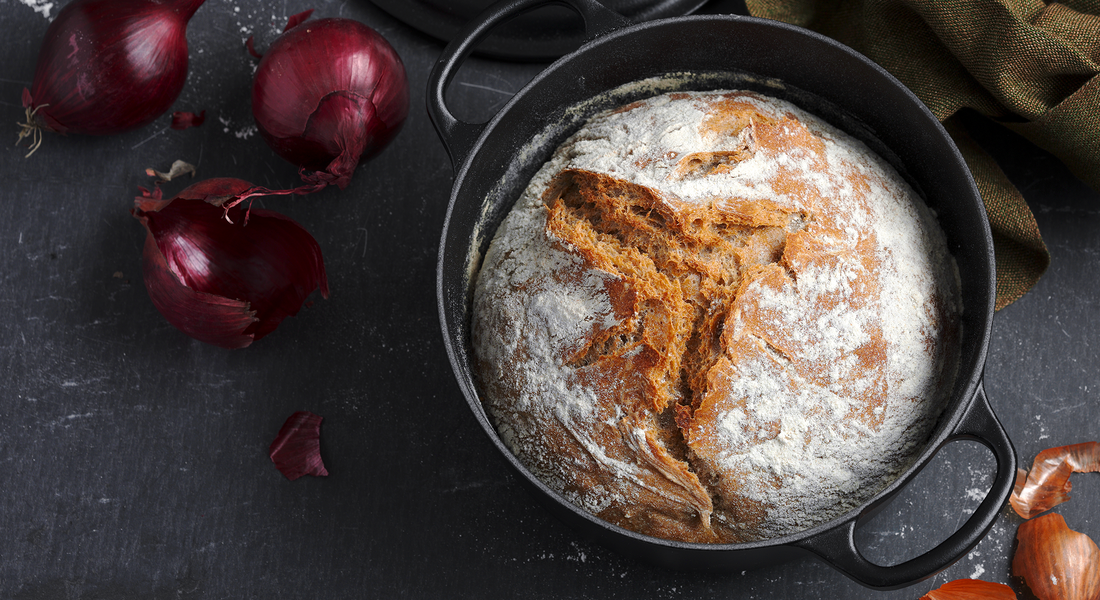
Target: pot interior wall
{"points": [[714, 52]]}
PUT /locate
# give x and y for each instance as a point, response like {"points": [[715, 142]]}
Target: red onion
{"points": [[223, 274], [107, 66], [328, 94]]}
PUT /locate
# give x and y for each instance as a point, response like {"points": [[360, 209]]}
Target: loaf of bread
{"points": [[712, 317]]}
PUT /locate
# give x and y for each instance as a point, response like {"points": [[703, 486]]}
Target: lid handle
{"points": [[460, 137]]}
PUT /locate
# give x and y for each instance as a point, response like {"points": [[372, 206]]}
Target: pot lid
{"points": [[540, 35]]}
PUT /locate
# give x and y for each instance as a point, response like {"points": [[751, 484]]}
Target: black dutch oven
{"points": [[494, 161]]}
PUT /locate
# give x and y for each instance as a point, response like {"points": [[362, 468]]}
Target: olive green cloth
{"points": [[1029, 65]]}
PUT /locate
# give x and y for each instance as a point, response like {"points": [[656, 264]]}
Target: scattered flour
{"points": [[41, 7], [241, 133]]}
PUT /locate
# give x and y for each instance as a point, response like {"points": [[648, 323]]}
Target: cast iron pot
{"points": [[494, 161]]}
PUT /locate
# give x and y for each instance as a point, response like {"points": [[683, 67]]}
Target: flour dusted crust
{"points": [[711, 317]]}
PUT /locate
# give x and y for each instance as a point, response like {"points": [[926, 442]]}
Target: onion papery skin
{"points": [[226, 276], [108, 66], [328, 95], [296, 451]]}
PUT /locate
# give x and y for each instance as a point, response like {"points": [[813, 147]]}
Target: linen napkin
{"points": [[1029, 65]]}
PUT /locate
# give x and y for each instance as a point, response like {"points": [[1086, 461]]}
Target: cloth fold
{"points": [[1031, 66]]}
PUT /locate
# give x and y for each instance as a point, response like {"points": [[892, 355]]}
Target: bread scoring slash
{"points": [[713, 317]]}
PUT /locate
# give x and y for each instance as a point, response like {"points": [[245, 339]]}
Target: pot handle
{"points": [[458, 136], [838, 548]]}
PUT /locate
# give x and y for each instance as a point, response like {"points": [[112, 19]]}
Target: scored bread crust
{"points": [[712, 317]]}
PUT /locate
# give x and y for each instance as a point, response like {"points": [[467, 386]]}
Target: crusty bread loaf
{"points": [[712, 317]]}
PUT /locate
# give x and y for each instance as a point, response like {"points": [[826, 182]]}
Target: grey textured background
{"points": [[133, 460]]}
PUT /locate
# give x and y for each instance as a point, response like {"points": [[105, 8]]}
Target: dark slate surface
{"points": [[133, 460]]}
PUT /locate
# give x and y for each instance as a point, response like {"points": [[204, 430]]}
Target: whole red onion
{"points": [[107, 66], [328, 94], [221, 273]]}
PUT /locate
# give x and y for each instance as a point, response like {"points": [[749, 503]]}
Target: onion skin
{"points": [[1057, 562], [329, 94], [221, 274], [296, 450], [184, 120], [971, 589], [108, 66], [1048, 483]]}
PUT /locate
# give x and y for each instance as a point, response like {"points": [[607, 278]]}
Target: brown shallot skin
{"points": [[971, 589], [222, 273], [1057, 562], [108, 66], [1048, 483]]}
